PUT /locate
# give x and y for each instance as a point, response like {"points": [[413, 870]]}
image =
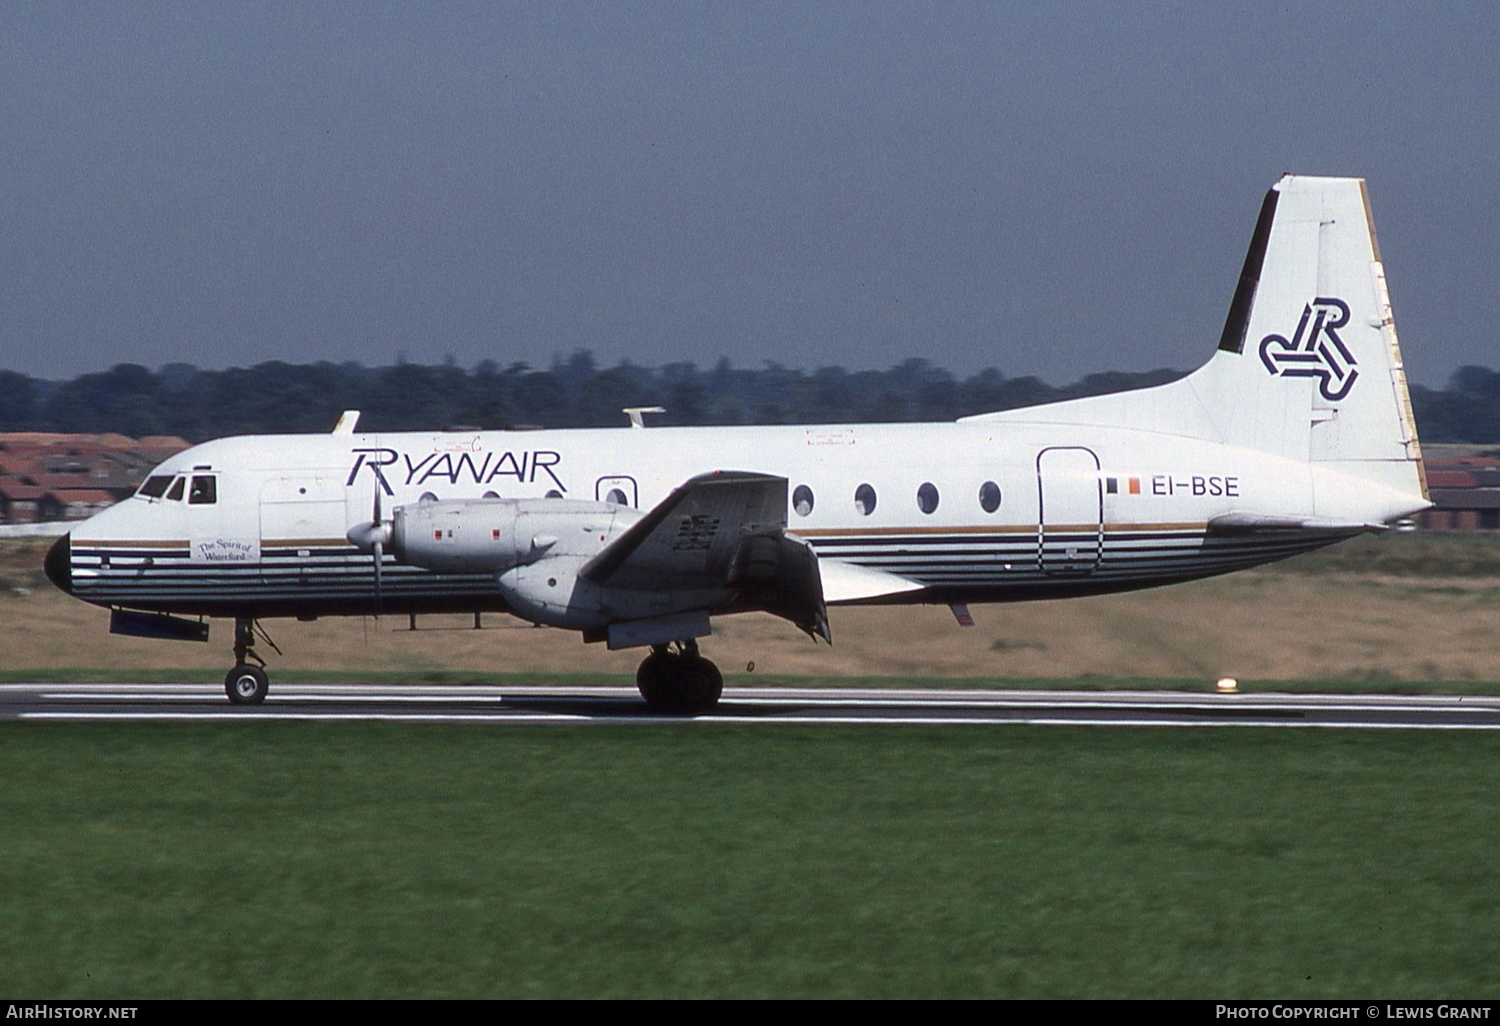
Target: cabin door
{"points": [[302, 524], [1070, 530]]}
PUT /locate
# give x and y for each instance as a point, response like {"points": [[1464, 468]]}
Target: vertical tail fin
{"points": [[1308, 366]]}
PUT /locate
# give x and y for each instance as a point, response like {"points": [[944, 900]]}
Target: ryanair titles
{"points": [[521, 467]]}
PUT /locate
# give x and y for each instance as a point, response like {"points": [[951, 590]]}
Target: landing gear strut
{"points": [[247, 683], [678, 680]]}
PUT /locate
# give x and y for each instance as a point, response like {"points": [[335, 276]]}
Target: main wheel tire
{"points": [[246, 685], [654, 679], [700, 685], [679, 685]]}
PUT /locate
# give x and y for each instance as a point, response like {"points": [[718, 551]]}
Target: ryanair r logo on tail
{"points": [[1316, 351]]}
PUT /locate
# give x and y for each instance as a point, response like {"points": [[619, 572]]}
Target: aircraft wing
{"points": [[720, 532]]}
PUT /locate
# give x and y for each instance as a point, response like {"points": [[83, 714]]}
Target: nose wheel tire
{"points": [[246, 685]]}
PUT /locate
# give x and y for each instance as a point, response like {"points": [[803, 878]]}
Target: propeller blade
{"points": [[379, 550], [371, 537]]}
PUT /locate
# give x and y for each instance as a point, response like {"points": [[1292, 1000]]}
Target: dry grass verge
{"points": [[1390, 608]]}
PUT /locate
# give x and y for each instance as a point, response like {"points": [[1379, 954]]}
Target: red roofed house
{"points": [[1465, 492]]}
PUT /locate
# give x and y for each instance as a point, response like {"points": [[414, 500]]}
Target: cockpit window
{"points": [[155, 486], [204, 492], [175, 492]]}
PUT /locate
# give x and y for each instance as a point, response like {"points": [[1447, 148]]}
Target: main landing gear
{"points": [[247, 683], [676, 679]]}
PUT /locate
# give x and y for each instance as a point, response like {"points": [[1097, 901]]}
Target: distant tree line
{"points": [[275, 397]]}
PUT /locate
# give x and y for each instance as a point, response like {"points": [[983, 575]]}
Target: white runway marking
{"points": [[613, 704], [239, 717]]}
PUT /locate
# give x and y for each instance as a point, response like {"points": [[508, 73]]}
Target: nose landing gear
{"points": [[247, 683], [679, 681]]}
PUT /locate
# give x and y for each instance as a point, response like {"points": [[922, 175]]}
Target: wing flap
{"points": [[849, 582]]}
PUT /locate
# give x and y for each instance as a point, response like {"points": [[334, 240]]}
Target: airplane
{"points": [[1297, 433]]}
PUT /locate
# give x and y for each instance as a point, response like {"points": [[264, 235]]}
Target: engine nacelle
{"points": [[550, 591], [474, 536]]}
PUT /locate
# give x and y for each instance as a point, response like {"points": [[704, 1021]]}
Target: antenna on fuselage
{"points": [[637, 414], [346, 422]]}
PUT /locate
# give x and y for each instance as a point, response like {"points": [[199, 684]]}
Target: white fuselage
{"points": [[970, 511], [1296, 433]]}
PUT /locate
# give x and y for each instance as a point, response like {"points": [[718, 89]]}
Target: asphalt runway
{"points": [[518, 705]]}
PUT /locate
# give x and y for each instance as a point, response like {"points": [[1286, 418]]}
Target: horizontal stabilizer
{"points": [[1241, 523]]}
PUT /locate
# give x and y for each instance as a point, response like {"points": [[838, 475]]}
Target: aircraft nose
{"points": [[59, 563]]}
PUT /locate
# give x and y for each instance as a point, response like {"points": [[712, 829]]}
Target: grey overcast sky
{"points": [[1050, 189]]}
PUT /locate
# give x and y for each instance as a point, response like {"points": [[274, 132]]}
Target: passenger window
{"points": [[204, 492], [927, 497], [989, 496], [864, 500], [802, 500], [156, 486], [175, 492]]}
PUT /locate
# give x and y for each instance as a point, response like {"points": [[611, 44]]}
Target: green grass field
{"points": [[690, 860]]}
